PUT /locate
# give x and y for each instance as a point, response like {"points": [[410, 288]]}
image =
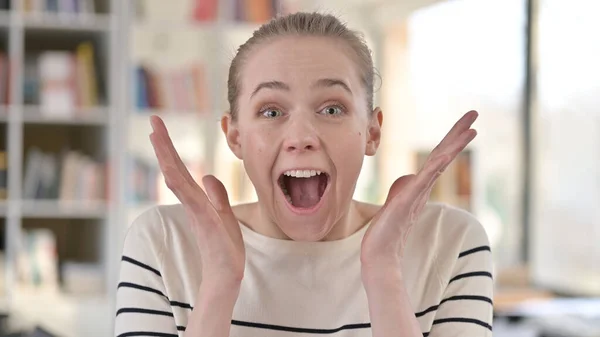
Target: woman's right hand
{"points": [[210, 215]]}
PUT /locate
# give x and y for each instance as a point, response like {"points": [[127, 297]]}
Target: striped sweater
{"points": [[306, 288]]}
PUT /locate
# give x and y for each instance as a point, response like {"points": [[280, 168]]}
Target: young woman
{"points": [[306, 259]]}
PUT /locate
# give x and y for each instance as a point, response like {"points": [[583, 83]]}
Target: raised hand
{"points": [[210, 215], [384, 242]]}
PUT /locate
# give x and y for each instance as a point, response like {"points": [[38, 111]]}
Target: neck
{"points": [[353, 218]]}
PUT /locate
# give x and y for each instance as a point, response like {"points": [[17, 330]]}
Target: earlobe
{"points": [[374, 132], [232, 134]]}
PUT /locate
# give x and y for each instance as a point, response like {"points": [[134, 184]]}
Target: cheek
{"points": [[257, 147], [257, 140]]}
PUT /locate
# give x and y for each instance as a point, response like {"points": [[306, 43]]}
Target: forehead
{"points": [[299, 61]]}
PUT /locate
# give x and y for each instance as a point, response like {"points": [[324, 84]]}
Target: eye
{"points": [[332, 110], [271, 112]]}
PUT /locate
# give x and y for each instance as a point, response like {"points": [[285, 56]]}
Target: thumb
{"points": [[398, 185], [217, 194]]}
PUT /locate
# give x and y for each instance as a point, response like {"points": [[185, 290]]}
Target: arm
{"points": [[213, 311], [389, 305]]}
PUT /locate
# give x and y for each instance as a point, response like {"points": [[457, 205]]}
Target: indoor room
{"points": [[80, 80]]}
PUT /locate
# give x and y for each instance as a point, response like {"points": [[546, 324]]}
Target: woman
{"points": [[305, 259]]}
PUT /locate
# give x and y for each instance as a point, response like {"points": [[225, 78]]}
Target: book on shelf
{"points": [[205, 10], [174, 89], [253, 11], [65, 176], [146, 182], [181, 10], [3, 175], [144, 179], [4, 79], [72, 7], [37, 260], [256, 11], [61, 82]]}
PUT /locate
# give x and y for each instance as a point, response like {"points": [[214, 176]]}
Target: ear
{"points": [[232, 134], [374, 132]]}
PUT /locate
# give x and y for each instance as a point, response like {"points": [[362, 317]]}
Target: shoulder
{"points": [[458, 240], [453, 224], [154, 228], [450, 230]]}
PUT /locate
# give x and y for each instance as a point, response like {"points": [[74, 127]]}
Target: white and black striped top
{"points": [[306, 288]]}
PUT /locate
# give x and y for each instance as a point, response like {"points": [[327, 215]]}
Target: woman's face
{"points": [[302, 131]]}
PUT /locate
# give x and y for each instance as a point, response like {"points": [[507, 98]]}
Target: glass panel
{"points": [[566, 219]]}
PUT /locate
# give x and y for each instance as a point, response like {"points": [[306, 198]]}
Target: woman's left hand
{"points": [[384, 241]]}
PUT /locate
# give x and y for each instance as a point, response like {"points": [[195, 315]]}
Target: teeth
{"points": [[302, 173]]}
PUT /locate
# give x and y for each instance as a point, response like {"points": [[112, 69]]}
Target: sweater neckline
{"points": [[268, 244]]}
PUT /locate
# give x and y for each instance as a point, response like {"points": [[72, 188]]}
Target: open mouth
{"points": [[303, 188]]}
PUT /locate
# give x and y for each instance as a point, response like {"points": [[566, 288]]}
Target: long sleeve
{"points": [[142, 305], [466, 307]]}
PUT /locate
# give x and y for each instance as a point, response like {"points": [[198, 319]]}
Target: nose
{"points": [[301, 136]]}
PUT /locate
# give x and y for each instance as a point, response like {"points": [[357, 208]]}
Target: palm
{"points": [[385, 240], [210, 215]]}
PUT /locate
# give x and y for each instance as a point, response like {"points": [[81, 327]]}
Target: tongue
{"points": [[304, 191]]}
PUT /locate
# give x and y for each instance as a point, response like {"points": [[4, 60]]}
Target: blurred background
{"points": [[79, 79]]}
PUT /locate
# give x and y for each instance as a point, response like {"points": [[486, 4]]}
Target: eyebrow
{"points": [[270, 85], [332, 82], [324, 82]]}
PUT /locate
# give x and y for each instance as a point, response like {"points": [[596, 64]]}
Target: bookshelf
{"points": [[59, 160]]}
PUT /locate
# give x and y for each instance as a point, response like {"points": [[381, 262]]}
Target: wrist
{"points": [[381, 275], [220, 290]]}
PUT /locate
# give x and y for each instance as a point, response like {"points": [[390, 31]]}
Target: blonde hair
{"points": [[303, 24]]}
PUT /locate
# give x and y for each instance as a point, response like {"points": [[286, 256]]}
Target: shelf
{"points": [[62, 314], [81, 22], [174, 26], [63, 209], [164, 113], [94, 116]]}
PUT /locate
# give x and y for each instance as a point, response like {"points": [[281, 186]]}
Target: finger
{"points": [[217, 194], [461, 143], [173, 178], [176, 175], [459, 128], [166, 150], [426, 177], [423, 198], [170, 153], [453, 149], [458, 146], [462, 125]]}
